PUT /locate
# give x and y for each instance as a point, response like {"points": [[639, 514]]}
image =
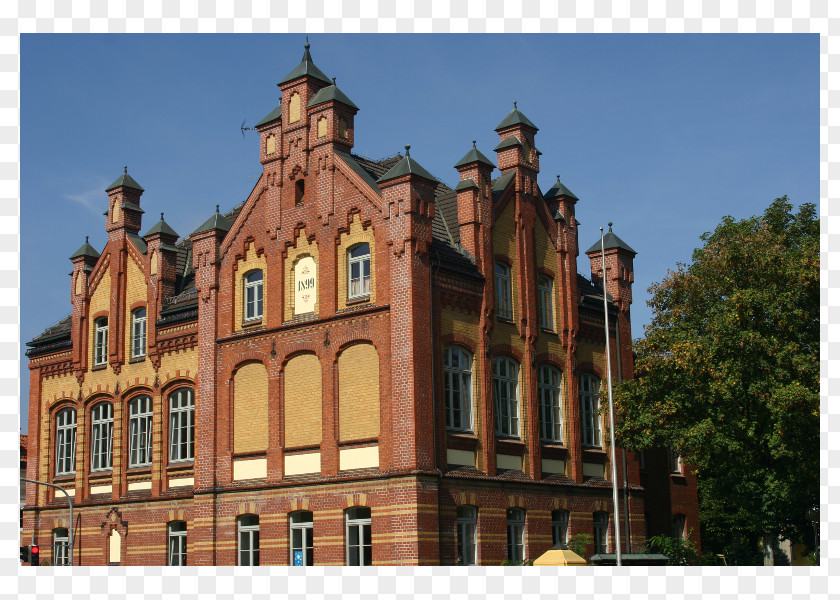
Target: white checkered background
{"points": [[420, 16]]}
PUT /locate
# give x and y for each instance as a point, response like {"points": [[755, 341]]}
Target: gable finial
{"points": [[407, 148], [473, 143], [558, 178], [86, 239], [514, 104], [610, 224], [161, 216], [333, 80], [217, 208], [125, 169], [306, 45]]}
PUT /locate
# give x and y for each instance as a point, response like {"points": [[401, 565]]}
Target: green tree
{"points": [[728, 375]]}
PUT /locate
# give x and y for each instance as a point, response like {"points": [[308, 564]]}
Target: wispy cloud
{"points": [[92, 198]]}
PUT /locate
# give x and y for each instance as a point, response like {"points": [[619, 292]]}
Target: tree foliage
{"points": [[728, 372]]}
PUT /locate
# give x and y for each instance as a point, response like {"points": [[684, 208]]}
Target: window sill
{"points": [[509, 445], [593, 454], [137, 359], [99, 367], [183, 465], [139, 470], [358, 300], [252, 322], [102, 474], [548, 330], [65, 477], [554, 450], [461, 440], [508, 320]]}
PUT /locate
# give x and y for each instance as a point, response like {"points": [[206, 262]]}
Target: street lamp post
{"points": [[70, 503]]}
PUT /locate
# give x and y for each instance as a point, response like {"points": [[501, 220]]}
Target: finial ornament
{"points": [[473, 143], [306, 45], [161, 216], [558, 179], [125, 169], [514, 104], [610, 224], [407, 148], [217, 208], [333, 80], [86, 239]]}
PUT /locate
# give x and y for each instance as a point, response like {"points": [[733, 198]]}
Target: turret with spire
{"points": [[124, 212], [516, 142], [474, 202]]}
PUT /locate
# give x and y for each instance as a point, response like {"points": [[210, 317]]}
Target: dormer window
{"points": [[294, 108]]}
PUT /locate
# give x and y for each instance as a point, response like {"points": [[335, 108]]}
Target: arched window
{"points": [[678, 522], [300, 535], [177, 552], [138, 333], [61, 546], [65, 442], [589, 410], [253, 295], [248, 527], [506, 395], [466, 519], [515, 535], [100, 342], [551, 415], [181, 425], [559, 527], [358, 269], [600, 524], [102, 436], [358, 536], [457, 383], [504, 307], [546, 301], [140, 431]]}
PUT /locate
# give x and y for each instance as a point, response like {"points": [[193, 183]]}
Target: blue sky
{"points": [[661, 134]]}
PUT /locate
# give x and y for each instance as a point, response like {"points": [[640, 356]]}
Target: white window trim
{"points": [[61, 547], [364, 290], [65, 453], [138, 333], [504, 302], [550, 394], [560, 526], [467, 536], [546, 296], [462, 374], [102, 437], [678, 519], [360, 524], [140, 432], [510, 385], [590, 413], [176, 544], [248, 531], [515, 534], [256, 305], [304, 527], [100, 344], [602, 538], [177, 415]]}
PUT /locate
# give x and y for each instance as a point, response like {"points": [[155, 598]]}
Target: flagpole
{"points": [[612, 419]]}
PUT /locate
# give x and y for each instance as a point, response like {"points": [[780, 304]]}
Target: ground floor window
{"points": [[301, 538], [358, 536], [249, 540], [61, 547], [559, 527], [515, 534], [600, 521], [177, 544], [466, 523], [678, 522]]}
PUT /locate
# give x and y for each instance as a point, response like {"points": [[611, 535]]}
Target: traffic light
{"points": [[24, 554], [34, 554]]}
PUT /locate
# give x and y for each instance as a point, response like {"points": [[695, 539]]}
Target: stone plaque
{"points": [[306, 285]]}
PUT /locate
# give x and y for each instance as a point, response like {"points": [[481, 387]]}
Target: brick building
{"points": [[356, 365]]}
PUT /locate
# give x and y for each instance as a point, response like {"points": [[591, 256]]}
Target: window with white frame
{"points": [[102, 436], [253, 295], [358, 536], [678, 523], [589, 410], [559, 527], [140, 431], [177, 553], [504, 306], [515, 535], [466, 519], [457, 383], [506, 395], [181, 425], [138, 333], [61, 546], [358, 270], [248, 527], [300, 535], [100, 342], [65, 442], [551, 412], [545, 290], [674, 461], [600, 525]]}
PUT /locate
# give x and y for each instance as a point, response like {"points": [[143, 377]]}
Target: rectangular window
{"points": [[140, 432], [249, 540], [181, 425], [457, 378], [506, 396], [515, 535], [358, 536], [61, 547], [600, 523], [65, 442], [138, 333], [551, 416], [253, 295], [466, 523], [102, 434], [358, 266], [679, 527], [559, 527], [590, 411], [100, 353], [546, 290], [301, 529], [177, 554], [504, 307]]}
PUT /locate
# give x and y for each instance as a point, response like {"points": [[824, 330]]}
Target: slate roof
{"points": [[515, 117], [557, 190], [306, 67], [407, 166], [85, 250], [125, 180], [474, 155], [161, 227], [611, 240], [331, 93], [272, 116]]}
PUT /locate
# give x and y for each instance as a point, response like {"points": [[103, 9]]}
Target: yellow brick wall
{"points": [[302, 401], [358, 393], [135, 292], [251, 261], [302, 248], [504, 243], [250, 409], [101, 300], [357, 235], [466, 324], [546, 257]]}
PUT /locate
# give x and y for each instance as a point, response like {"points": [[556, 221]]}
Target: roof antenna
{"points": [[243, 129]]}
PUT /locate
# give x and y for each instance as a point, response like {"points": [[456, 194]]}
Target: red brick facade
{"points": [[393, 452]]}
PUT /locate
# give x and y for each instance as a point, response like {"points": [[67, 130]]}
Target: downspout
{"points": [[623, 450]]}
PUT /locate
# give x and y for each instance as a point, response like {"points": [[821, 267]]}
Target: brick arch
{"points": [[516, 502], [589, 367], [562, 503], [300, 503], [466, 499], [244, 357], [299, 348], [357, 499], [549, 358], [459, 339], [174, 384], [62, 404], [346, 340], [507, 349], [95, 399], [131, 392], [179, 375]]}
